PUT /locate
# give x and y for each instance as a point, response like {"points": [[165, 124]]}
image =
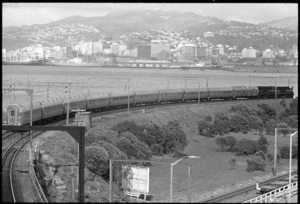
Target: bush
{"points": [[291, 121], [132, 147], [232, 163], [255, 123], [231, 142], [263, 144], [246, 146], [284, 131], [208, 118], [239, 123], [267, 112], [255, 164], [204, 128], [283, 103], [284, 151], [220, 127], [222, 143], [270, 127], [96, 160], [261, 154]]}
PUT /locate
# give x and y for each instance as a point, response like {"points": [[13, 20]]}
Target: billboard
{"points": [[136, 181]]}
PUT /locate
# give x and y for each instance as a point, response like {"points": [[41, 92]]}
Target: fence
{"points": [[275, 194]]}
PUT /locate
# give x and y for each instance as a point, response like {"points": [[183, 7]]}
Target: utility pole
{"points": [[69, 90]]}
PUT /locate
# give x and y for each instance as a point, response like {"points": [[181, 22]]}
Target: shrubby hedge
{"points": [[256, 163], [246, 146]]}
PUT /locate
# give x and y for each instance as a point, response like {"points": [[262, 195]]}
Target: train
{"points": [[53, 108]]}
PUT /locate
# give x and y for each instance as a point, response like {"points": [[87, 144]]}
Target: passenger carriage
{"points": [[220, 93], [241, 92], [193, 94], [20, 114], [98, 100], [170, 95], [121, 99], [146, 97], [76, 102], [52, 107]]}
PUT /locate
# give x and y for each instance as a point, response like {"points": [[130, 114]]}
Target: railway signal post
{"points": [[290, 169]]}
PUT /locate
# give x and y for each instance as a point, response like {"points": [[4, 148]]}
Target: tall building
{"points": [[249, 53], [200, 52], [187, 52], [295, 51], [96, 47], [88, 48], [114, 48], [157, 48], [268, 54], [144, 51]]}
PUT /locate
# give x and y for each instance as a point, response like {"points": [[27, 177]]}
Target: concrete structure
{"points": [[249, 53], [268, 54], [144, 51], [187, 52], [114, 48], [158, 48], [295, 51], [208, 34]]}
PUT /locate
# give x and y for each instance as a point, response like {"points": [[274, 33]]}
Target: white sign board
{"points": [[137, 181]]}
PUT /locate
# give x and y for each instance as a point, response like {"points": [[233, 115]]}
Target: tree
{"points": [[256, 123], [231, 142], [263, 144], [239, 123], [270, 127], [246, 146], [283, 131], [175, 138], [96, 159], [267, 112], [283, 103], [132, 147], [204, 128], [222, 143], [291, 121]]}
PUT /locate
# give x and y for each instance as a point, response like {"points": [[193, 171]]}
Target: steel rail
{"points": [[244, 190]]}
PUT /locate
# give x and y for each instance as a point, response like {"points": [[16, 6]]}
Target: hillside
{"points": [[286, 23]]}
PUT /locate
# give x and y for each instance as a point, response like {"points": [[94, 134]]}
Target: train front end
{"points": [[12, 115]]}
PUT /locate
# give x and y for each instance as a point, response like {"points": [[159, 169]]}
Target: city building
{"points": [[187, 52], [157, 48], [208, 34], [249, 53], [295, 51], [144, 51], [114, 48], [268, 54]]}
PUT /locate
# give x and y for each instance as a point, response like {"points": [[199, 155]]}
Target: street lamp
{"points": [[171, 178], [290, 170]]}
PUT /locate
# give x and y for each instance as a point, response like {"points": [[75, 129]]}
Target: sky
{"points": [[19, 14]]}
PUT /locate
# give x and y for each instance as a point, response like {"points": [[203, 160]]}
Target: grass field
{"points": [[211, 174]]}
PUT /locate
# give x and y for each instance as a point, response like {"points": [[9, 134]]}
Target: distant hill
{"points": [[286, 23], [76, 28]]}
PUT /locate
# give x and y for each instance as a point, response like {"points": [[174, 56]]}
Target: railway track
{"points": [[244, 190], [8, 194]]}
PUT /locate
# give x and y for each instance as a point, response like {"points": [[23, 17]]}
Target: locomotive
{"points": [[49, 109]]}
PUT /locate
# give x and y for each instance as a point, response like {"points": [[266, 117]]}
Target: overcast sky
{"points": [[18, 14]]}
